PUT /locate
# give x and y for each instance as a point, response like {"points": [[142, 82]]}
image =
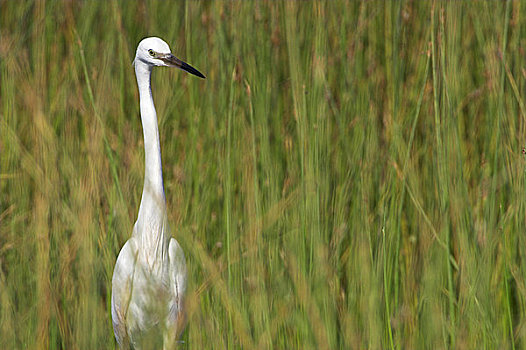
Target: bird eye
{"points": [[150, 51]]}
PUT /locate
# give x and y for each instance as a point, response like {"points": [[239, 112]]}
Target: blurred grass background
{"points": [[349, 175]]}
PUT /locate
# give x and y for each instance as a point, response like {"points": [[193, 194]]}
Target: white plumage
{"points": [[149, 279]]}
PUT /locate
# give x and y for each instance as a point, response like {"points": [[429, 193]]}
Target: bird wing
{"points": [[178, 282], [122, 284]]}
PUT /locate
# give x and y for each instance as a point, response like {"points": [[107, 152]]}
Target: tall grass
{"points": [[349, 175]]}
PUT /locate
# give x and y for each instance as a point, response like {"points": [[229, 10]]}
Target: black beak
{"points": [[173, 61]]}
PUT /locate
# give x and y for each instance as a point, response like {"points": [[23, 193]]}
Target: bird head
{"points": [[156, 52]]}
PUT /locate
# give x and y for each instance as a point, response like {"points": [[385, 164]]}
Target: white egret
{"points": [[149, 279]]}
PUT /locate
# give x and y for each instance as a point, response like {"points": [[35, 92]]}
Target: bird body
{"points": [[149, 279]]}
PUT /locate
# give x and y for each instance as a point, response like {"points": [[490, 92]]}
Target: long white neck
{"points": [[152, 211]]}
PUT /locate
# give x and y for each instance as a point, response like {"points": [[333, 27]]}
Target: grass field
{"points": [[350, 175]]}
